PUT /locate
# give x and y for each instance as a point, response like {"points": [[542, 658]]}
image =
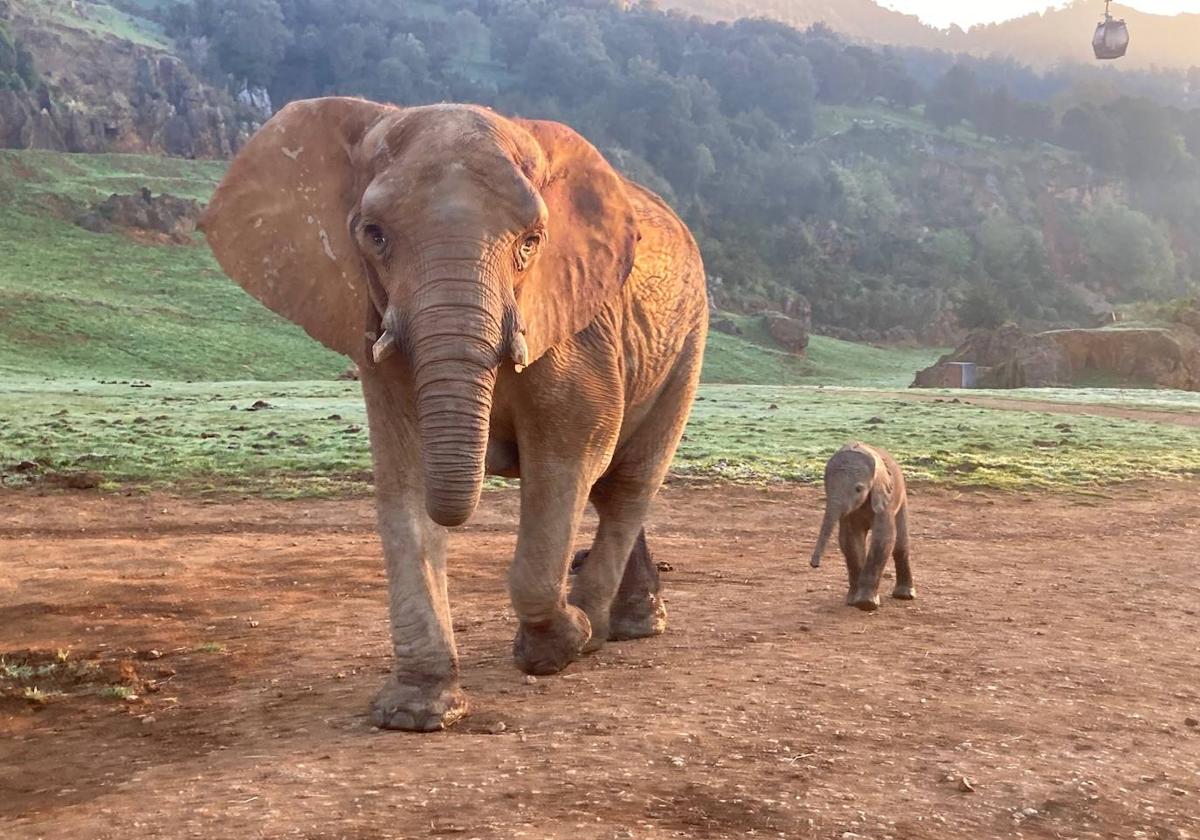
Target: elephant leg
{"points": [[617, 584], [552, 633], [904, 588], [853, 542], [638, 610], [883, 542], [422, 693]]}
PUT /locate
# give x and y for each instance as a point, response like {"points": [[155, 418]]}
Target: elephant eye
{"points": [[528, 248], [861, 487], [375, 235]]}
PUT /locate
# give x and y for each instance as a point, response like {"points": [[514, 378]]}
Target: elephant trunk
{"points": [[455, 345], [452, 416], [831, 518]]}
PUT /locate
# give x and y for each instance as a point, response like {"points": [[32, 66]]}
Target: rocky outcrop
{"points": [[1164, 357], [987, 349], [724, 325], [172, 217], [103, 94], [1161, 357], [27, 122], [790, 333]]}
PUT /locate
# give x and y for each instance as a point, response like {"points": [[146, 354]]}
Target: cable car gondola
{"points": [[1112, 37]]}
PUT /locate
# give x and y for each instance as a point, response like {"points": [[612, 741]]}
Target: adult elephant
{"points": [[516, 307]]}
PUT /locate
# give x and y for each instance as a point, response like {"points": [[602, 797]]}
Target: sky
{"points": [[942, 13]]}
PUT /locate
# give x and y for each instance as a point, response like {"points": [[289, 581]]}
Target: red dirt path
{"points": [[1051, 660]]}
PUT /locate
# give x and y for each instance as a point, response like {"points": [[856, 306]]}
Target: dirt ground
{"points": [[1044, 685]]}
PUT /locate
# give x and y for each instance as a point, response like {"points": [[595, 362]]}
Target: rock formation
{"points": [[102, 94], [1166, 356], [164, 214], [791, 333]]}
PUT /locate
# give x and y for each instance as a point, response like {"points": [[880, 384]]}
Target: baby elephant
{"points": [[864, 492]]}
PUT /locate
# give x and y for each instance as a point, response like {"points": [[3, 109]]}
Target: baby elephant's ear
{"points": [[881, 487]]}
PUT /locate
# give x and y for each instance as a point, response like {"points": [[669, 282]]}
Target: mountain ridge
{"points": [[1042, 39]]}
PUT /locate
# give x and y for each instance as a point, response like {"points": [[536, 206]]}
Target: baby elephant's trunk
{"points": [[823, 538]]}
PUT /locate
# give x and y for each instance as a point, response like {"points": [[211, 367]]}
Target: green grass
{"points": [[43, 180], [765, 432], [834, 119], [312, 440], [99, 19], [754, 358], [76, 303]]}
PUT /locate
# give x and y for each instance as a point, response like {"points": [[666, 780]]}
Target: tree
{"points": [[250, 39], [953, 97], [1089, 130], [1125, 253], [994, 115], [1032, 122], [403, 76], [1152, 146], [984, 308]]}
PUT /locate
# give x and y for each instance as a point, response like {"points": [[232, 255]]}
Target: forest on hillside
{"points": [[891, 197]]}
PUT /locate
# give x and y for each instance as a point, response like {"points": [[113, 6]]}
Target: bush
{"points": [[983, 308]]}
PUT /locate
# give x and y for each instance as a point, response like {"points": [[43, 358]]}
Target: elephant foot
{"points": [[546, 647], [637, 619], [632, 618], [865, 601], [597, 619], [418, 703], [904, 592], [637, 610]]}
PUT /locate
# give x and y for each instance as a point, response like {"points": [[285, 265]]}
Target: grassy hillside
{"points": [[753, 358], [75, 303], [94, 19], [80, 304]]}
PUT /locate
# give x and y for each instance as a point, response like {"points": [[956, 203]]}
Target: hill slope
{"points": [[80, 304]]}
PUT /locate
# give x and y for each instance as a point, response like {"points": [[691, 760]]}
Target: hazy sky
{"points": [[966, 12]]}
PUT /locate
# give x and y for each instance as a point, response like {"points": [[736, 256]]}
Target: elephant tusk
{"points": [[519, 351], [384, 347]]}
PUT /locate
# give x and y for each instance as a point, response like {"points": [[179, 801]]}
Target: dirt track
{"points": [[1051, 659], [1146, 415]]}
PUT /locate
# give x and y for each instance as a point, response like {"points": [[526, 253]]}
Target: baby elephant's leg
{"points": [[883, 541], [904, 589], [852, 539]]}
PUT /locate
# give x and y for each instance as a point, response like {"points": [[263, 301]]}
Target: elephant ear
{"points": [[278, 222], [881, 486], [591, 239]]}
